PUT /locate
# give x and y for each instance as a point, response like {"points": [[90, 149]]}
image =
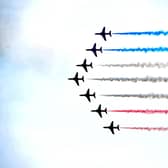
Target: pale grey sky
{"points": [[44, 122]]}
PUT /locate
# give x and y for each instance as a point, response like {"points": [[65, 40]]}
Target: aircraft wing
{"points": [[84, 62], [85, 68], [112, 130], [104, 36], [77, 81], [95, 52], [100, 114], [88, 97]]}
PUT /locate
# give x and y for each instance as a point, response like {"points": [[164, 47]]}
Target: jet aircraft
{"points": [[88, 95], [77, 79], [94, 49], [99, 111], [103, 33], [85, 65], [112, 127]]}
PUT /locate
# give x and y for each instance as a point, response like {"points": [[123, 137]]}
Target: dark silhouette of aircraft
{"points": [[103, 33], [76, 78], [88, 95], [85, 65], [94, 49], [99, 111], [112, 127]]}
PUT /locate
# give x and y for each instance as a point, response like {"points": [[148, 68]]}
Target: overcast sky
{"points": [[43, 121]]}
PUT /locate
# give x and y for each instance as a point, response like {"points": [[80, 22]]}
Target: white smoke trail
{"points": [[139, 65], [136, 79]]}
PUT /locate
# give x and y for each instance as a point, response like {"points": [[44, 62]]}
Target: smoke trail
{"points": [[147, 111], [152, 49], [150, 95], [149, 33], [147, 128], [136, 79], [139, 65]]}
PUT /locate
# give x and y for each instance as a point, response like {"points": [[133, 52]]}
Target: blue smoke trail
{"points": [[149, 33], [152, 49]]}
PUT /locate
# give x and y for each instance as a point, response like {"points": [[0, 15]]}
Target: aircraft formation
{"points": [[86, 66]]}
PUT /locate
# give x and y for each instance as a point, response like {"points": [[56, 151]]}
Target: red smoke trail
{"points": [[147, 128], [141, 111]]}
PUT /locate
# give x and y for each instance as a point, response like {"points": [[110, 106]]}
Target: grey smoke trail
{"points": [[136, 79], [139, 65], [150, 95]]}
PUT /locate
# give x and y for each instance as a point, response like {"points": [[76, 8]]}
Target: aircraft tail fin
{"points": [[118, 127], [105, 110], [91, 65], [101, 50], [110, 34], [94, 95], [82, 78]]}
